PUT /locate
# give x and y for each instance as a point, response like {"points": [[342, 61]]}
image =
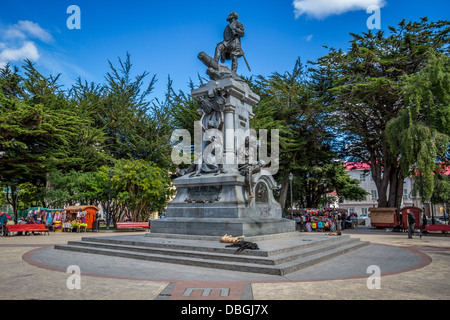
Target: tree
{"points": [[120, 120], [363, 89], [88, 145], [35, 126], [68, 189], [141, 186], [421, 132], [441, 191], [288, 104], [313, 184], [135, 127], [183, 108]]}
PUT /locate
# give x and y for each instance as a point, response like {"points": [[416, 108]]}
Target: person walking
{"points": [[411, 223]]}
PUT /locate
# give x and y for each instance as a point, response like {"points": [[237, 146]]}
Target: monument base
{"points": [[221, 226], [217, 205], [218, 198]]}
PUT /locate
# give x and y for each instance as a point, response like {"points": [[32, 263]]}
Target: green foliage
{"points": [[384, 101], [87, 146], [363, 88], [182, 108], [86, 188], [35, 126], [65, 137], [141, 185], [441, 191], [313, 183], [421, 132], [289, 104]]}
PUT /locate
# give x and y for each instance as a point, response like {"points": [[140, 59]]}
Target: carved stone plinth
{"points": [[219, 203]]}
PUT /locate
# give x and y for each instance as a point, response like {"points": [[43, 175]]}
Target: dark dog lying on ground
{"points": [[244, 245]]}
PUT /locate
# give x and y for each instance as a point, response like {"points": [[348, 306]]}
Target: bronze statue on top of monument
{"points": [[229, 49]]}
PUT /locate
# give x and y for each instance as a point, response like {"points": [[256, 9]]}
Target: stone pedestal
{"points": [[237, 113], [216, 204]]}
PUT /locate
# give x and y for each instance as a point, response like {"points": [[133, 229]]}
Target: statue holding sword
{"points": [[230, 48]]}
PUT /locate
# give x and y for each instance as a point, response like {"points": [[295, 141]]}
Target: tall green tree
{"points": [[70, 188], [141, 186], [289, 104], [36, 125], [183, 108], [135, 126], [363, 88], [421, 132], [87, 147], [311, 186]]}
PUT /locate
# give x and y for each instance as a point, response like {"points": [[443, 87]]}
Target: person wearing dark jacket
{"points": [[411, 223]]}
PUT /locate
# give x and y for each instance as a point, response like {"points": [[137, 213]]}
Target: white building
{"points": [[361, 171]]}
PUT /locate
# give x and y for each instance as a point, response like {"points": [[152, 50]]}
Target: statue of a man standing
{"points": [[230, 48]]}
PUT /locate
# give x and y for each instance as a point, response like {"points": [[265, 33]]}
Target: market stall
{"points": [[384, 217], [52, 218], [80, 217], [315, 219]]}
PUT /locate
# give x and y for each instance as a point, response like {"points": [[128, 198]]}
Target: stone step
{"points": [[227, 254], [206, 255], [276, 245], [275, 262], [302, 263]]}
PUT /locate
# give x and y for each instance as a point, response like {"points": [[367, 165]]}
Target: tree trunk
{"points": [[396, 188], [387, 177], [380, 177], [284, 191], [13, 200]]}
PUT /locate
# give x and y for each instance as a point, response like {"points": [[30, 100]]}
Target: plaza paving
{"points": [[411, 269]]}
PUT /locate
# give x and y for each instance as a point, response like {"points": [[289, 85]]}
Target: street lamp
{"points": [[291, 177], [17, 204], [108, 214], [326, 192]]}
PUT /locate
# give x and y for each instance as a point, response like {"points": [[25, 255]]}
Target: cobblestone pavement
{"points": [[417, 268]]}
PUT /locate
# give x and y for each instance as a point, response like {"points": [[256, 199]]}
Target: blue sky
{"points": [[164, 37]]}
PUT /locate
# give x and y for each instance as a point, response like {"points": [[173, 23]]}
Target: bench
{"points": [[133, 225], [436, 227], [28, 228]]}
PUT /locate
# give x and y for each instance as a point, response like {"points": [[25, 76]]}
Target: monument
{"points": [[228, 189], [226, 193]]}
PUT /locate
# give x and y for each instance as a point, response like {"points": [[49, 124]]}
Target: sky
{"points": [[165, 37]]}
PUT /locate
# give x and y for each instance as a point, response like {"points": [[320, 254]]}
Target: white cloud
{"points": [[320, 9], [27, 29], [28, 50], [19, 41], [25, 40], [309, 37]]}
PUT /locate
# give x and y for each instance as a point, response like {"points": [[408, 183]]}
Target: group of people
{"points": [[5, 220], [78, 222], [327, 219], [53, 220]]}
